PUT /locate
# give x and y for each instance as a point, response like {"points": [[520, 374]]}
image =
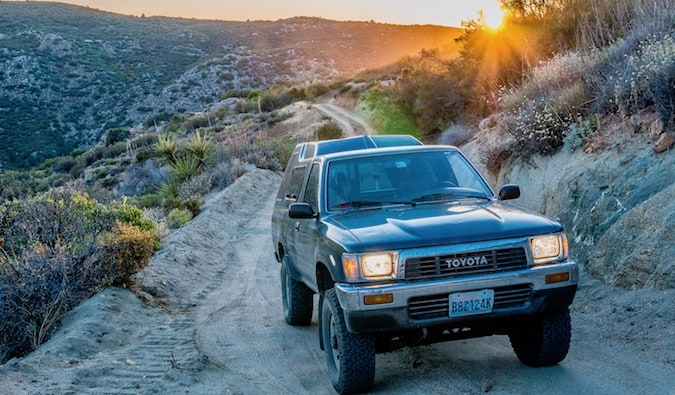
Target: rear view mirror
{"points": [[300, 210], [509, 191]]}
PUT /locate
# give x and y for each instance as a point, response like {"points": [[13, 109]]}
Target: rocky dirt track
{"points": [[209, 321]]}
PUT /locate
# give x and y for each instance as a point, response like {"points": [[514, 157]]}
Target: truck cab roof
{"points": [[312, 149]]}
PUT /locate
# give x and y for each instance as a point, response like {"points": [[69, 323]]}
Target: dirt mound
{"points": [[117, 342]]}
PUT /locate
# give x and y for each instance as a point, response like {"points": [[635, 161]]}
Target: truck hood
{"points": [[424, 225]]}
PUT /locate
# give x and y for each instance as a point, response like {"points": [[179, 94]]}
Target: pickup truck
{"points": [[406, 244]]}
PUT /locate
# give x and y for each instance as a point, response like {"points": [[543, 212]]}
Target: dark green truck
{"points": [[406, 244]]}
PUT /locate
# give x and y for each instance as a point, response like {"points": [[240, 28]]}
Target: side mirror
{"points": [[300, 210], [509, 191]]}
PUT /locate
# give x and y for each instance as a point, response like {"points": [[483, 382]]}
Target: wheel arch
{"points": [[324, 278], [279, 252]]}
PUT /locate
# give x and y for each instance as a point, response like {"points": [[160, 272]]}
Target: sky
{"points": [[405, 12]]}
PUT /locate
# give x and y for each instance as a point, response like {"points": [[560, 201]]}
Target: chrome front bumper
{"points": [[361, 317]]}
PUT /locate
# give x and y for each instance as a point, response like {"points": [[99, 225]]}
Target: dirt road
{"points": [[215, 326], [351, 124]]}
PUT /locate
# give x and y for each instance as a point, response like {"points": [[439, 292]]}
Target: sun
{"points": [[492, 17]]}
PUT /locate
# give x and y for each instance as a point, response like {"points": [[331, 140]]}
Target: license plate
{"points": [[470, 303]]}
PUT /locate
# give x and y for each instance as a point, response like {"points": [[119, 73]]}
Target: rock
{"points": [[488, 123], [656, 128], [664, 143]]}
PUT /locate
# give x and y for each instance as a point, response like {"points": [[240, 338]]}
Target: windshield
{"points": [[408, 178]]}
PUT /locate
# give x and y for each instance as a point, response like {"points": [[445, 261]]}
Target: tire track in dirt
{"points": [[241, 329]]}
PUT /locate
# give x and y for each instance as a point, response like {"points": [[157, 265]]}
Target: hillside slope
{"points": [[69, 73], [615, 198]]}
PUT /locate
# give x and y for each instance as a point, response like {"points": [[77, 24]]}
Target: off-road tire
{"points": [[350, 357], [542, 339], [297, 299]]}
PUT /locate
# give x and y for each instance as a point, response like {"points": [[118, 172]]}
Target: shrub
{"points": [[36, 290], [540, 112], [116, 135], [125, 250], [328, 131], [225, 173], [196, 186], [148, 200], [145, 139], [63, 164], [457, 135], [645, 77], [178, 217], [315, 90], [538, 128], [580, 133], [57, 249], [263, 155]]}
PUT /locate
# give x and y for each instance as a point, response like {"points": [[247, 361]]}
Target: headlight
{"points": [[370, 266], [548, 248]]}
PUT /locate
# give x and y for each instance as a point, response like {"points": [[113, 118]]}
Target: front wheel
{"points": [[350, 357], [543, 339], [297, 299]]}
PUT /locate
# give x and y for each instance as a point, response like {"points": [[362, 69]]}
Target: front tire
{"points": [[350, 357], [297, 299], [543, 339]]}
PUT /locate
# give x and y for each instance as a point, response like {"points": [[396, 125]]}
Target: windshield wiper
{"points": [[370, 203], [435, 197], [399, 203], [357, 203]]}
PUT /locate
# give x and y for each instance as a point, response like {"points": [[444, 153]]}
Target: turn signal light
{"points": [[378, 299], [557, 277]]}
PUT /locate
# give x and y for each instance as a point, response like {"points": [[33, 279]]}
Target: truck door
{"points": [[306, 229]]}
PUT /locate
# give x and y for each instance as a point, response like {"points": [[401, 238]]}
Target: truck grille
{"points": [[436, 306], [464, 264]]}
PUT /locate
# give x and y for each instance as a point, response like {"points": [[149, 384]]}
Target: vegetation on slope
{"points": [[552, 69]]}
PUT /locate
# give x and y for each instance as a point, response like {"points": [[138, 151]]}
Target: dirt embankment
{"points": [[616, 199]]}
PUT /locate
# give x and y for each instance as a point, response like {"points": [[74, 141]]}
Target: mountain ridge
{"points": [[69, 73]]}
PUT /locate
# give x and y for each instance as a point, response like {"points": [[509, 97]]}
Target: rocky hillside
{"points": [[615, 197], [69, 73]]}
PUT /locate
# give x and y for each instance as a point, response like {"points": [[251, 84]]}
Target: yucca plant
{"points": [[185, 167], [202, 147], [167, 148]]}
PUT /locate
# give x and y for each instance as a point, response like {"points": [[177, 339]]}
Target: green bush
{"points": [[57, 249], [116, 135], [329, 131], [178, 217]]}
